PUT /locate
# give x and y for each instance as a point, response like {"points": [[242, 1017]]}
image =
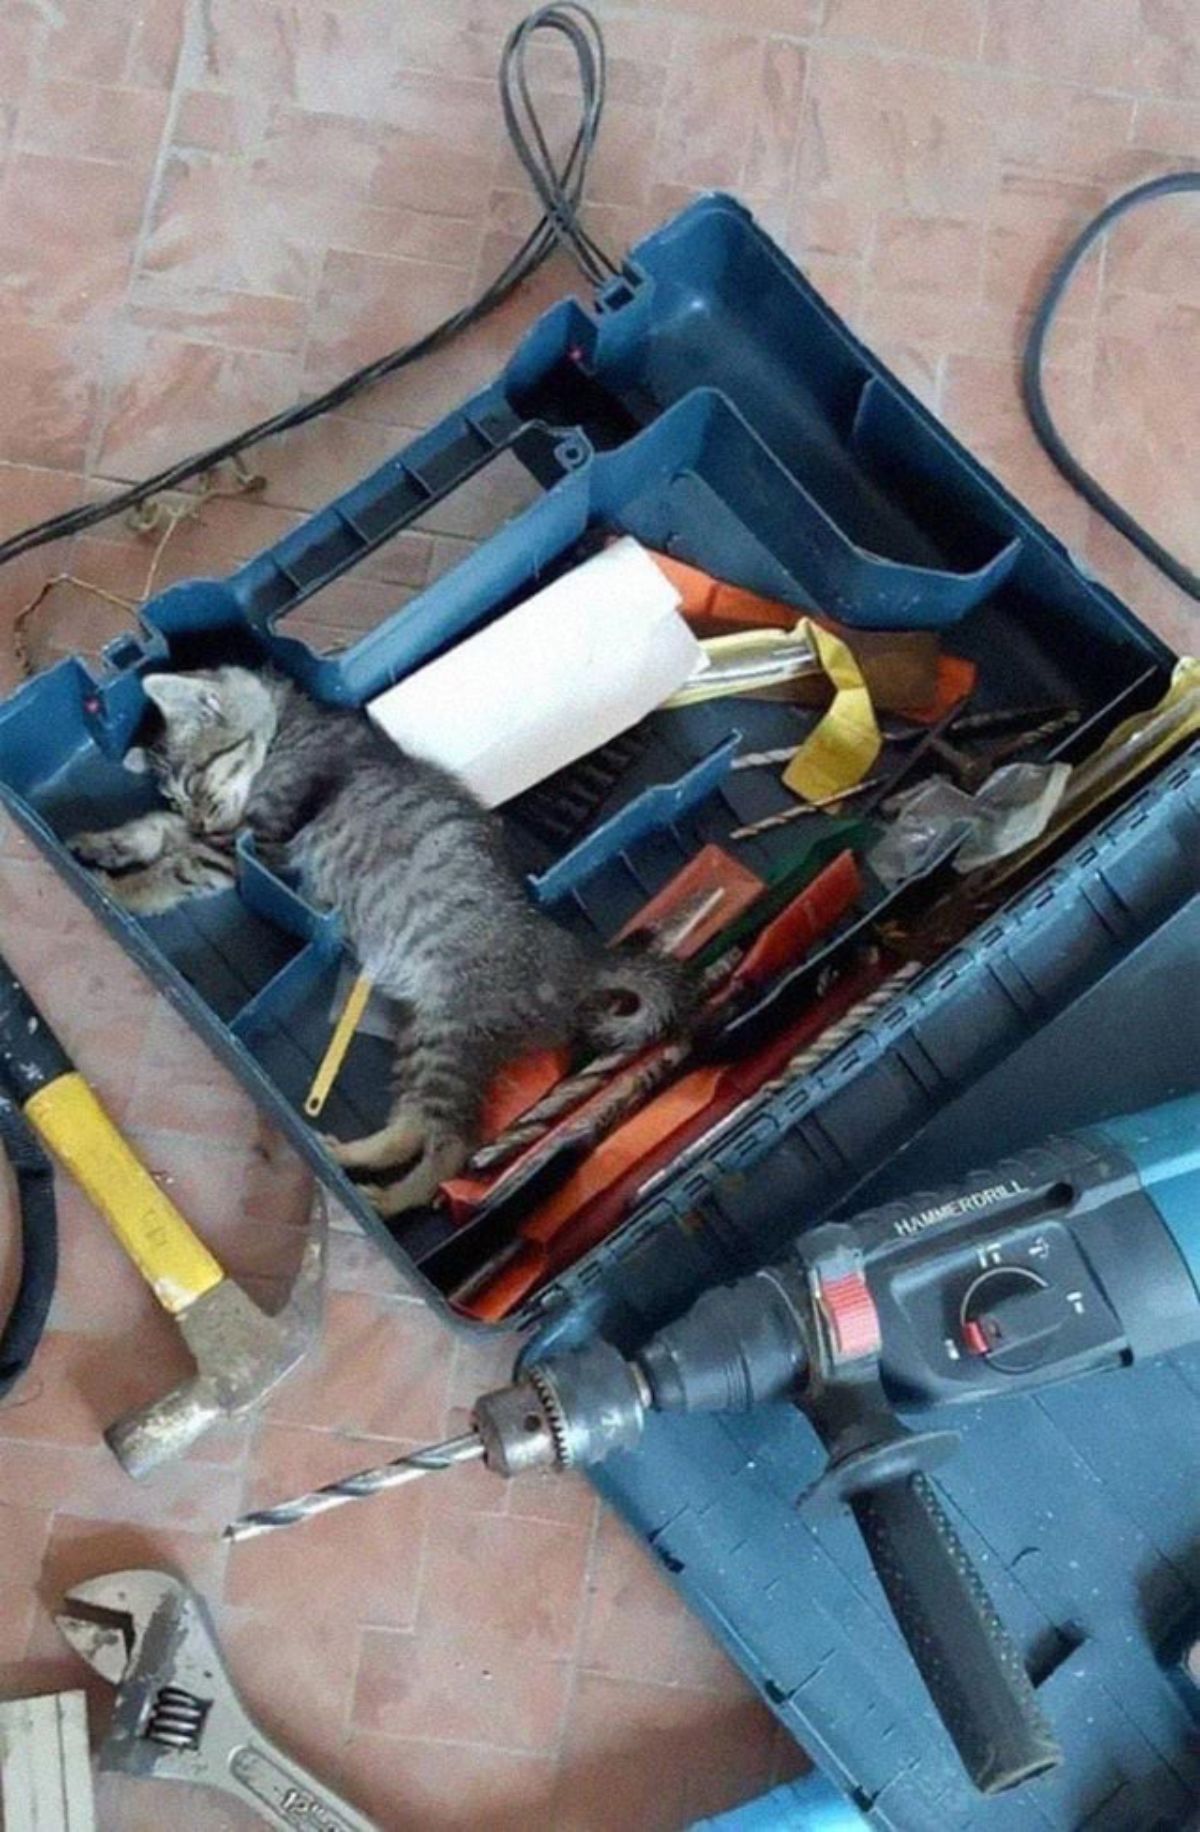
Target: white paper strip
{"points": [[560, 674]]}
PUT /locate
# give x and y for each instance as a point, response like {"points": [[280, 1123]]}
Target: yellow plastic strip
{"points": [[842, 748], [1129, 752], [339, 1043], [176, 1265]]}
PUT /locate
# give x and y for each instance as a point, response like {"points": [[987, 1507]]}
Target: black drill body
{"points": [[1043, 1267], [1081, 1254]]}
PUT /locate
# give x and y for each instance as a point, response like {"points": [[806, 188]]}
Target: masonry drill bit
{"points": [[833, 1037], [762, 760], [368, 1482], [537, 1120], [770, 821], [823, 1046], [574, 1090]]}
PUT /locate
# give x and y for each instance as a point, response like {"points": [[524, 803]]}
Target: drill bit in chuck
{"points": [[359, 1487]]}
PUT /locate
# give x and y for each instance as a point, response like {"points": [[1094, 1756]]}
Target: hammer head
{"points": [[240, 1352]]}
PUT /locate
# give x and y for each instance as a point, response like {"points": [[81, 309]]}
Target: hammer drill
{"points": [[1083, 1253]]}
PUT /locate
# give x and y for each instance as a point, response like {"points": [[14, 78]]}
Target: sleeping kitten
{"points": [[416, 869]]}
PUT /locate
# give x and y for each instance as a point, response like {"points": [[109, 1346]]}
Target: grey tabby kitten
{"points": [[417, 871]]}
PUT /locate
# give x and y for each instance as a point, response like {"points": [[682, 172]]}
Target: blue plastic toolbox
{"points": [[712, 405], [1079, 1505]]}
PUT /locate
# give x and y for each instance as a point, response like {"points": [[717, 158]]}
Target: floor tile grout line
{"points": [[980, 67], [793, 184], [38, 78], [481, 1744], [584, 1618], [154, 183], [75, 157], [542, 1754], [758, 90]]}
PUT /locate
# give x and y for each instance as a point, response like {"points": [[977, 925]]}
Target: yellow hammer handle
{"points": [[176, 1265], [339, 1043]]}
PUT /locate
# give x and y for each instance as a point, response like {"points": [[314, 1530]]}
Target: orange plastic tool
{"points": [[712, 606], [596, 1199], [711, 870], [811, 914]]}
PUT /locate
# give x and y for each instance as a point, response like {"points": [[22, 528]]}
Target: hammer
{"points": [[240, 1351]]}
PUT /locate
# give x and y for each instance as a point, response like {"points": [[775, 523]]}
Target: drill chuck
{"points": [[564, 1414], [738, 1346]]}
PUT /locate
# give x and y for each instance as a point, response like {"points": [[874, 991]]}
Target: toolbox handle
{"points": [[327, 544], [974, 1672]]}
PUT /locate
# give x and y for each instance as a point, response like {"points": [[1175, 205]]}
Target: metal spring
{"points": [[177, 1718]]}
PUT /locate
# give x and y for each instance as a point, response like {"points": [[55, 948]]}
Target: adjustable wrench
{"points": [[177, 1716]]}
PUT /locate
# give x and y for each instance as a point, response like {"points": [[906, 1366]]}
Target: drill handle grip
{"points": [[975, 1675]]}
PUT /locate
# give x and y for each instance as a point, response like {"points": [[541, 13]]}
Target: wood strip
{"points": [[45, 1772]]}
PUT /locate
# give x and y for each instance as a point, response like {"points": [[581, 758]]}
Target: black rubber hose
{"points": [[34, 1180], [559, 188], [1034, 393]]}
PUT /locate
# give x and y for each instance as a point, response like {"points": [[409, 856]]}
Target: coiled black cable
{"points": [[1034, 392], [560, 191], [33, 1176]]}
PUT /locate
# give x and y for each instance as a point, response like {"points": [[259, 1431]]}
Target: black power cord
{"points": [[33, 1177], [560, 191], [1035, 397]]}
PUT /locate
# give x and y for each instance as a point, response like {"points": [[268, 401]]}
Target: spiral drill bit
{"points": [[536, 1122], [574, 1090], [833, 1037], [770, 821], [830, 1040], [448, 1455]]}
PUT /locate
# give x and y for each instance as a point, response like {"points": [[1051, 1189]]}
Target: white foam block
{"points": [[567, 670]]}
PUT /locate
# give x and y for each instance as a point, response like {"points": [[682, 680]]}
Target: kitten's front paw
{"points": [[108, 884], [105, 849]]}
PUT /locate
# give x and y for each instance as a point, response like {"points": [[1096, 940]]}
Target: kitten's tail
{"points": [[635, 997]]}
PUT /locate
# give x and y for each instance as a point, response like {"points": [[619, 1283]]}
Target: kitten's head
{"points": [[217, 725]]}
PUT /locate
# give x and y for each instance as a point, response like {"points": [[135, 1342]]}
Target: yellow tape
{"points": [[840, 751], [1140, 741], [178, 1267], [339, 1043]]}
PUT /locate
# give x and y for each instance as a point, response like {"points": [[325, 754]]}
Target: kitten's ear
{"points": [[183, 700]]}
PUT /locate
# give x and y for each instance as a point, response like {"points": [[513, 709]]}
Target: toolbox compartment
{"points": [[711, 404]]}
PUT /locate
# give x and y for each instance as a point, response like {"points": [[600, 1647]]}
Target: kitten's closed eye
{"points": [[216, 794]]}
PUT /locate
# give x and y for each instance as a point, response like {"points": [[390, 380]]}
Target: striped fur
{"points": [[417, 870]]}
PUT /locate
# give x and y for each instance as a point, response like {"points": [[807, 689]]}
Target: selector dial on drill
{"points": [[1012, 1316]]}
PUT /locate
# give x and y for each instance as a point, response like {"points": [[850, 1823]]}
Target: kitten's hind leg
{"points": [[394, 1143], [138, 842], [441, 1158], [442, 1071]]}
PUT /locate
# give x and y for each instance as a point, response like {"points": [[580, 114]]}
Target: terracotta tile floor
{"points": [[211, 206]]}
